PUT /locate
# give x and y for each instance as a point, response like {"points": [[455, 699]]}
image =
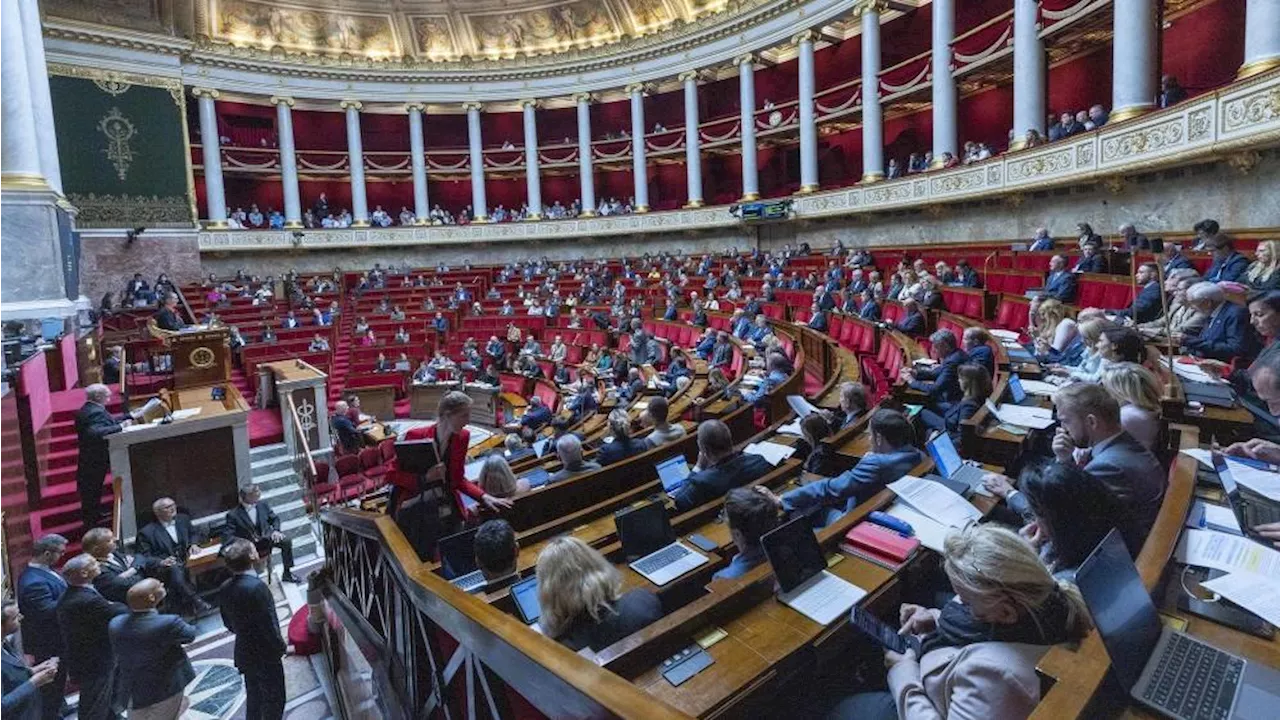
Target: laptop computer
{"points": [[458, 560], [673, 472], [646, 534], [1017, 393], [1251, 509], [540, 446], [1169, 671], [954, 468], [801, 570], [525, 597]]}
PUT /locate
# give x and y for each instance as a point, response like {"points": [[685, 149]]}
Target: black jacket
{"points": [[148, 649], [620, 449], [93, 425], [249, 611], [714, 482], [83, 617], [239, 525], [153, 540], [110, 584], [631, 612], [167, 319]]}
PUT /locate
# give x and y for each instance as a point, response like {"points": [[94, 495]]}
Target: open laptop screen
{"points": [[944, 454], [458, 553], [644, 529], [540, 446], [672, 472], [794, 553], [525, 594], [1121, 608], [1017, 393]]}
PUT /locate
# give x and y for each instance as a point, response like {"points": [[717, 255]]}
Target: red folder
{"points": [[881, 543]]}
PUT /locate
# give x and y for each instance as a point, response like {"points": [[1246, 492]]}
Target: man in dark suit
{"points": [[940, 384], [167, 316], [167, 542], [254, 520], [23, 684], [1133, 239], [93, 425], [117, 570], [38, 591], [722, 352], [975, 345], [1042, 242], [1061, 284], [83, 616], [1175, 260], [1228, 265], [1091, 261], [1146, 305], [912, 322], [870, 309], [153, 667], [719, 468], [249, 612], [818, 318], [349, 439], [1227, 334]]}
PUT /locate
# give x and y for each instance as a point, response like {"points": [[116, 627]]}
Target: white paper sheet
{"points": [[936, 501], [184, 414], [1038, 387], [1004, 334], [773, 452], [791, 428], [931, 533], [1267, 483], [1220, 551], [1192, 372], [1256, 594], [801, 407], [1206, 516], [1031, 417]]}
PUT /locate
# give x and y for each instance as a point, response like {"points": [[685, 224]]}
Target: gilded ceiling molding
{"points": [[473, 105], [277, 99], [352, 105], [583, 97]]}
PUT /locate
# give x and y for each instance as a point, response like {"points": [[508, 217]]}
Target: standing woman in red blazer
{"points": [[451, 440]]}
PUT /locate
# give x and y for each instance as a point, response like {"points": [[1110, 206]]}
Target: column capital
{"points": [[410, 107], [805, 36], [351, 105], [473, 105], [862, 7], [205, 92], [528, 102], [279, 99], [745, 59], [688, 75], [583, 97], [634, 88]]}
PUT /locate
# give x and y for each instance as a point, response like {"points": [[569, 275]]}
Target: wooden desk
{"points": [[424, 398], [378, 401]]}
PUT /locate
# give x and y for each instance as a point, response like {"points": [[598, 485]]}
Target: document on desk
{"points": [[936, 501], [931, 533], [1207, 516], [1253, 593], [1220, 551], [1038, 387], [184, 414], [771, 451], [1245, 471], [801, 407], [1192, 372], [791, 428], [1030, 417], [204, 552], [1004, 334]]}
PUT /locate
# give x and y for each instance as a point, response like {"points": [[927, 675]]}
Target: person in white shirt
{"points": [[558, 350], [380, 217], [663, 431], [406, 217]]}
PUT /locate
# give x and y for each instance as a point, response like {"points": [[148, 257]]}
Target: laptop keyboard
{"points": [[1256, 514], [470, 581], [662, 558], [1193, 680]]}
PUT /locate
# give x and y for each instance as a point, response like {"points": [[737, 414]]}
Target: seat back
{"points": [[347, 465]]}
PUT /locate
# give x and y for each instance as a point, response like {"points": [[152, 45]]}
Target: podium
{"points": [[201, 356], [304, 384]]}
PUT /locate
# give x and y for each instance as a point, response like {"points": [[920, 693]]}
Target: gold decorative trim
{"points": [[694, 204], [23, 181], [278, 99], [1257, 67], [688, 75], [530, 102], [1129, 113], [587, 213], [351, 105], [116, 211], [863, 7], [749, 197], [804, 36], [872, 177], [745, 59], [808, 189], [410, 107], [473, 105], [583, 97], [634, 88], [202, 92], [641, 209], [111, 77], [360, 223]]}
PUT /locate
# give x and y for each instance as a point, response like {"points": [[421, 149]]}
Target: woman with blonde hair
{"points": [[1138, 390], [580, 595], [979, 651], [1055, 333], [1091, 359], [497, 479], [1264, 272]]}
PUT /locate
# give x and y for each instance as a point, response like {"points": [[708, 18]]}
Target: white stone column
{"points": [[1028, 72], [1134, 62], [355, 159], [533, 184], [288, 161], [42, 103], [639, 166], [215, 195], [479, 204], [1261, 37], [807, 119], [944, 83], [418, 159], [872, 113], [586, 173], [692, 140], [747, 120], [21, 155]]}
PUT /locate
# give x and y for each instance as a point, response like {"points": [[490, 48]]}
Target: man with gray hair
{"points": [[38, 591], [1133, 239], [83, 617], [1227, 333], [941, 383], [569, 450], [93, 424]]}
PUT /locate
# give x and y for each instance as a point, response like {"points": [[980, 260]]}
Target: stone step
{"points": [[266, 465], [265, 451], [276, 479]]}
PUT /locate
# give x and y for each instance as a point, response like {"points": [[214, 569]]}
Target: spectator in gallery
{"points": [[1171, 93]]}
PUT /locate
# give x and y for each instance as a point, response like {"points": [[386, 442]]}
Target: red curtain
{"points": [[319, 130], [1205, 47], [610, 117], [445, 131], [557, 124]]}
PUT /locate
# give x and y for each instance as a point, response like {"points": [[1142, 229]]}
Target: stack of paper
{"points": [[931, 533], [801, 407], [1031, 417], [1253, 593], [771, 451], [1204, 516], [1244, 471], [1037, 387], [1195, 373], [791, 428], [936, 501], [1229, 553], [1004, 335]]}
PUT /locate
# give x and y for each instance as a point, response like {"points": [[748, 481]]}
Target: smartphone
{"points": [[703, 543], [874, 628], [1226, 615]]}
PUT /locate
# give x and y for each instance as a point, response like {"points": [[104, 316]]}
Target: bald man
{"points": [[148, 648]]}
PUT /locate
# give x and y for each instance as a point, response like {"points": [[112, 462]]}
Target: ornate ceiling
{"points": [[399, 30]]}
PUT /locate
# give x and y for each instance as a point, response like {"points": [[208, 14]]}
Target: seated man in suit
{"points": [[1228, 265], [167, 542], [569, 450], [1042, 242], [870, 309], [349, 439], [1133, 239], [154, 668], [818, 318], [912, 322], [255, 521], [776, 375], [582, 403], [24, 685], [966, 275], [167, 317], [633, 387], [83, 616], [719, 469], [39, 589], [1227, 333], [1091, 260], [1089, 419], [976, 344], [750, 515], [535, 416], [722, 353], [706, 344], [941, 383], [1146, 305], [623, 444], [1175, 260], [740, 325], [496, 550], [1061, 284], [891, 457]]}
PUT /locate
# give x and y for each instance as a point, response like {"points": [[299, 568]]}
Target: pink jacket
{"points": [[986, 681]]}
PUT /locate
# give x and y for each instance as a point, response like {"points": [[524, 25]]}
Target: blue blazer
{"points": [[1226, 335], [1178, 263], [911, 324], [536, 417], [704, 347], [38, 593], [619, 449], [983, 355], [722, 355], [741, 564], [22, 700], [831, 498], [1070, 356], [819, 322], [761, 393], [827, 301], [945, 387], [869, 311], [1231, 269], [742, 328], [1041, 245], [1090, 265], [1061, 286], [707, 485], [148, 648], [1146, 306]]}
